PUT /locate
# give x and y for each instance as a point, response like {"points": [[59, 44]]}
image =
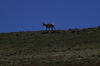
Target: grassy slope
{"points": [[57, 48]]}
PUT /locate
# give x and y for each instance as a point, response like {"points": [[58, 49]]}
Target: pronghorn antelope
{"points": [[49, 26]]}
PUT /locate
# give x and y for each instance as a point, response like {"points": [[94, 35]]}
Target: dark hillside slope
{"points": [[55, 48]]}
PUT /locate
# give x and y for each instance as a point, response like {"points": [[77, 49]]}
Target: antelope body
{"points": [[49, 26]]}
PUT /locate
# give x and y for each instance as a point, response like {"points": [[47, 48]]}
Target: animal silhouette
{"points": [[49, 26]]}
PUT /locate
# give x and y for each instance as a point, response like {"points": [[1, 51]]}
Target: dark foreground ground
{"points": [[56, 48]]}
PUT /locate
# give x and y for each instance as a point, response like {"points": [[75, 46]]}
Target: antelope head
{"points": [[43, 24]]}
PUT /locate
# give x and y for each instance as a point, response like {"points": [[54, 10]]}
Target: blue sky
{"points": [[27, 15]]}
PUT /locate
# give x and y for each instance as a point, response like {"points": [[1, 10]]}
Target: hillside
{"points": [[80, 47]]}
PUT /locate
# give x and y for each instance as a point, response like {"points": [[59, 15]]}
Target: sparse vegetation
{"points": [[80, 47]]}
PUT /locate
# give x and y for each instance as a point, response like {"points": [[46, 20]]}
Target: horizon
{"points": [[54, 30], [28, 15]]}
